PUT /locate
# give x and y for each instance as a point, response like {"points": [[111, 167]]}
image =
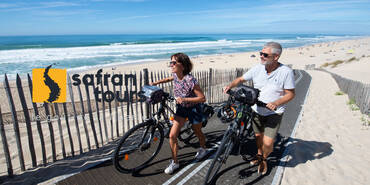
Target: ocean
{"points": [[20, 54]]}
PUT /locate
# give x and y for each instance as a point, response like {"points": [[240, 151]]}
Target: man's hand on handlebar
{"points": [[226, 88], [271, 106]]}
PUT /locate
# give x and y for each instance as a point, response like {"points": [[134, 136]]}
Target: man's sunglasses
{"points": [[173, 63], [264, 54]]}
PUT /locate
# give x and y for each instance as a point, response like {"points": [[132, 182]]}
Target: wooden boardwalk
{"points": [[99, 169], [236, 170]]}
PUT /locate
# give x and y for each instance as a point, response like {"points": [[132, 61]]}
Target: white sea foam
{"points": [[57, 54], [78, 58], [84, 68]]}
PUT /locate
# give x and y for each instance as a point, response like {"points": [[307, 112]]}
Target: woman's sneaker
{"points": [[171, 168], [201, 153]]}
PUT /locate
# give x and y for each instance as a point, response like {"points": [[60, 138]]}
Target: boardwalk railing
{"points": [[357, 91], [38, 134]]}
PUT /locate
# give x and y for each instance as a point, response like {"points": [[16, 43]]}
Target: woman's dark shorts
{"points": [[194, 114]]}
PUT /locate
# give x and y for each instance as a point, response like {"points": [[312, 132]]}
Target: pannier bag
{"points": [[207, 110], [151, 94], [246, 94]]}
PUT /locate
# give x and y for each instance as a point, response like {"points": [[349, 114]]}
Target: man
{"points": [[276, 84]]}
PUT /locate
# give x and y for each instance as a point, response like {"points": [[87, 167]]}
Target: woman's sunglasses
{"points": [[173, 63]]}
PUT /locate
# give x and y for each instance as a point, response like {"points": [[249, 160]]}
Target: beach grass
{"points": [[352, 105], [351, 59], [365, 120], [326, 64], [338, 93], [337, 62]]}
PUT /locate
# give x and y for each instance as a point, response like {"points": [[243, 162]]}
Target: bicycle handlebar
{"points": [[168, 97], [259, 103]]}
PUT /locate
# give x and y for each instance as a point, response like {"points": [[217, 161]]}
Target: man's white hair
{"points": [[275, 47]]}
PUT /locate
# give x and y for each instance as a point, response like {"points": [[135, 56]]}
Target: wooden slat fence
{"points": [[356, 90], [95, 122]]}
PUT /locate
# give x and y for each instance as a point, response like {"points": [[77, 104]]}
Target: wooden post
{"points": [[156, 78], [141, 102], [83, 118], [103, 109], [60, 130], [136, 98], [122, 111], [91, 116], [15, 123], [110, 115], [75, 113], [132, 117], [127, 94], [146, 82], [68, 129], [51, 131], [98, 114], [153, 106], [5, 147], [116, 109], [38, 122], [210, 84], [27, 119]]}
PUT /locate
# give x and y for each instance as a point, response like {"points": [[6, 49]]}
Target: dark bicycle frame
{"points": [[156, 117], [236, 131]]}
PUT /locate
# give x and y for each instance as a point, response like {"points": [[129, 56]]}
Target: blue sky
{"points": [[41, 17]]}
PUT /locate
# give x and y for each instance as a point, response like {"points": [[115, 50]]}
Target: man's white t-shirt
{"points": [[271, 86]]}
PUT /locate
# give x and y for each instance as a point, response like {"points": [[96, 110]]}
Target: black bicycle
{"points": [[142, 143], [237, 132]]}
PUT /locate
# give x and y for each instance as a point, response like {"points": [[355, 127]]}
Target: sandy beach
{"points": [[326, 116], [342, 134]]}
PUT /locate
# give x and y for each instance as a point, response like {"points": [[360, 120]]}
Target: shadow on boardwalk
{"points": [[284, 147], [68, 166]]}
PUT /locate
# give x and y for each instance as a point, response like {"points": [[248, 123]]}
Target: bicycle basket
{"points": [[246, 94], [151, 94]]}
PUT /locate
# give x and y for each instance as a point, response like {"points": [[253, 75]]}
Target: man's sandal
{"points": [[256, 160], [262, 168]]}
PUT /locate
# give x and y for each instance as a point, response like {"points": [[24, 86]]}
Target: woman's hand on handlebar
{"points": [[179, 100]]}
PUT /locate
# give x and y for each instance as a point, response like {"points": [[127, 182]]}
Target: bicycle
{"points": [[142, 143], [237, 132]]}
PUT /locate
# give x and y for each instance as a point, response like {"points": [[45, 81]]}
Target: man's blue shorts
{"points": [[194, 114]]}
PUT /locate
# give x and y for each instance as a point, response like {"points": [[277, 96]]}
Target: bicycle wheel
{"points": [[221, 156], [138, 147]]}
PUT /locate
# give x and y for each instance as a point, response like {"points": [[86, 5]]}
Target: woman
{"points": [[188, 95]]}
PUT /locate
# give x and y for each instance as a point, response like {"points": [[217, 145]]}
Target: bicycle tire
{"points": [[221, 156], [133, 151]]}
